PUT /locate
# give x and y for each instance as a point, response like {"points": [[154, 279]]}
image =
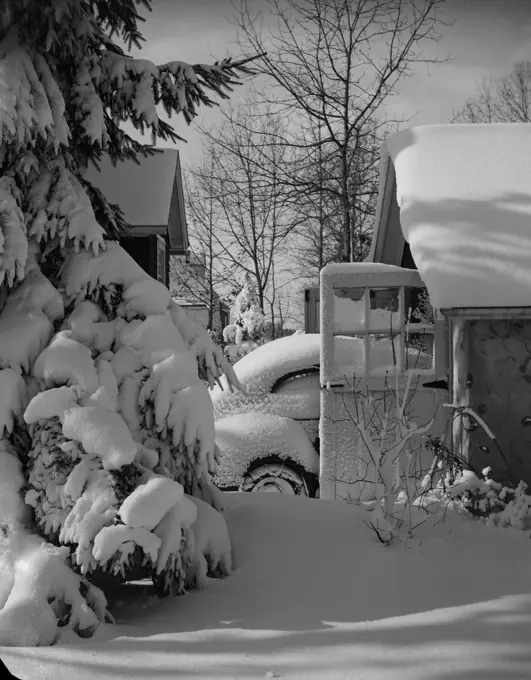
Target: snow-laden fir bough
{"points": [[106, 425]]}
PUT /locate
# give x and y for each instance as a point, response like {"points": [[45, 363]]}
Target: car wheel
{"points": [[279, 476]]}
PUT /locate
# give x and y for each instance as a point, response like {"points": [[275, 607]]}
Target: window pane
{"points": [[349, 310], [419, 351], [349, 357], [383, 353], [417, 305], [305, 382], [384, 303]]}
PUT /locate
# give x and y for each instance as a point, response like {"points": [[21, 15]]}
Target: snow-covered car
{"points": [[268, 436]]}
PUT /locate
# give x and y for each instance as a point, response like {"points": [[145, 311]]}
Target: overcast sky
{"points": [[485, 39]]}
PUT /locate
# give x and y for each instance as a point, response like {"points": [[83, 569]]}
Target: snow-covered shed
{"points": [[455, 203], [151, 195]]}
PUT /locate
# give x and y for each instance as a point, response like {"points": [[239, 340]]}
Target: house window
{"points": [[161, 261], [224, 317], [396, 325]]}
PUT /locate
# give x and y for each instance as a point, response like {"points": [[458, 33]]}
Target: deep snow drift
{"points": [[314, 596]]}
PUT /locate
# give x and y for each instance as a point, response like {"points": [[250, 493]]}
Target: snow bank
{"points": [[313, 596], [465, 209]]}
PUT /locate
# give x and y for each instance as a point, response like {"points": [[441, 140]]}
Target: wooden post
{"points": [[460, 386]]}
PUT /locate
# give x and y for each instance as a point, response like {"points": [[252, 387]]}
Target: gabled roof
{"points": [[388, 242], [150, 194]]}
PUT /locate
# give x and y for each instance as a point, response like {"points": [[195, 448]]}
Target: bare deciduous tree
{"points": [[331, 65], [254, 214], [206, 278], [323, 238], [500, 100], [283, 308]]}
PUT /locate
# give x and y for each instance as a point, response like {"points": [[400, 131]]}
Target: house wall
{"points": [[499, 382]]}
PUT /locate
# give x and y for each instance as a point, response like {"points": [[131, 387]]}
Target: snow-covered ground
{"points": [[314, 596]]}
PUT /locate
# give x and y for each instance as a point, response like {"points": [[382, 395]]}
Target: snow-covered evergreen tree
{"points": [[247, 328], [106, 425]]}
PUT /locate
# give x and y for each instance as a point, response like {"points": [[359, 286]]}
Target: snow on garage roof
{"points": [[464, 193], [142, 191]]}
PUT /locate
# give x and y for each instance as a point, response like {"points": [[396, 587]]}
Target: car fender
{"points": [[248, 437]]}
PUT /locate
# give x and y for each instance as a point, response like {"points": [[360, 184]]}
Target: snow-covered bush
{"points": [[498, 504], [105, 417], [450, 483], [462, 489], [246, 332], [404, 477]]}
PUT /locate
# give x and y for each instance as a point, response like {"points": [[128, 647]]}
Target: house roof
{"points": [[461, 196], [150, 194]]}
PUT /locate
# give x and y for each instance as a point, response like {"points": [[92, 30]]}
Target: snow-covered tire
{"points": [[273, 475]]}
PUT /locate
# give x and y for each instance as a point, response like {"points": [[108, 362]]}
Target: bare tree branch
{"points": [[502, 100], [331, 65]]}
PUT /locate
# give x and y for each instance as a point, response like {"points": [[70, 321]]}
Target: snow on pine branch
{"points": [[89, 107], [13, 243], [137, 86], [57, 206], [31, 104], [191, 82]]}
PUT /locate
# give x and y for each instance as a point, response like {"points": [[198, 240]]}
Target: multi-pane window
{"points": [[395, 324]]}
